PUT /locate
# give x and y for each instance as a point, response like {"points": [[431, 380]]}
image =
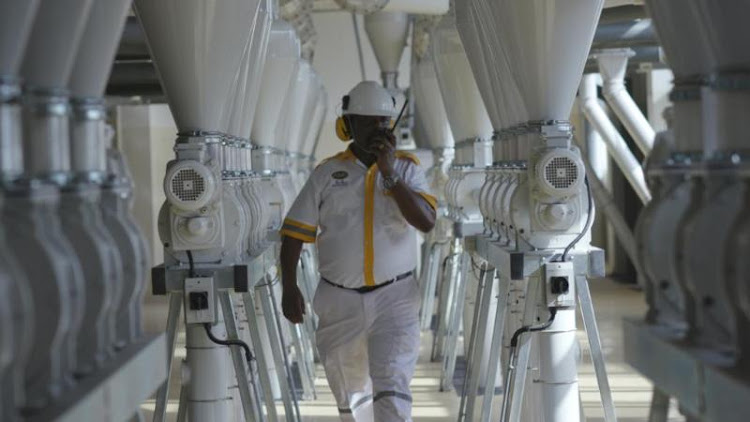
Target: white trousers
{"points": [[369, 345]]}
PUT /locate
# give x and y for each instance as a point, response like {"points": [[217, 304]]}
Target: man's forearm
{"points": [[290, 251], [415, 209]]}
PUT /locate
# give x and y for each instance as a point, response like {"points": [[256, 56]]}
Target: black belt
{"points": [[367, 289]]}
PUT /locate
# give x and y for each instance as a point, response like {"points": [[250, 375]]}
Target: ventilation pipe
{"points": [[613, 65], [616, 145], [17, 316]]}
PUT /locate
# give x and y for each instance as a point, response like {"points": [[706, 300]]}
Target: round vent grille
{"points": [[189, 185], [561, 173]]}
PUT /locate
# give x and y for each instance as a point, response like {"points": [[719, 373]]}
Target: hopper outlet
{"points": [[198, 47], [387, 32]]}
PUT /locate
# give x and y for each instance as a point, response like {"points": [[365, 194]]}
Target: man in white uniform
{"points": [[362, 207]]}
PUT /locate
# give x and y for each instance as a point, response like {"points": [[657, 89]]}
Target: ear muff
{"points": [[342, 130]]}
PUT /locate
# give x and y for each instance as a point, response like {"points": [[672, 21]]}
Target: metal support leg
{"points": [[518, 366], [287, 365], [597, 356], [477, 352], [238, 359], [281, 369], [447, 291], [300, 346], [659, 407], [260, 358], [454, 326], [173, 315], [429, 283], [498, 331], [182, 406]]}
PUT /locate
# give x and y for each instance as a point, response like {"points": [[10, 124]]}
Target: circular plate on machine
{"points": [[189, 185], [560, 172]]}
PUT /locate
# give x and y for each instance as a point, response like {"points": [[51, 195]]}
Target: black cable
{"points": [[191, 263], [533, 328], [248, 354], [589, 221]]}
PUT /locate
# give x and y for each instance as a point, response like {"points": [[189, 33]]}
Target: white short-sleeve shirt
{"points": [[362, 238]]}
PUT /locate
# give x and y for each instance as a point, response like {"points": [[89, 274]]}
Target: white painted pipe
{"points": [[613, 65], [207, 364], [422, 7], [617, 147], [558, 370]]}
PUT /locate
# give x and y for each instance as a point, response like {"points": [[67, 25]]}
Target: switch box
{"points": [[559, 279], [200, 302]]}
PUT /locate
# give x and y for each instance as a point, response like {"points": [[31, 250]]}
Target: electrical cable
{"points": [[589, 221], [191, 263], [248, 354], [533, 328]]}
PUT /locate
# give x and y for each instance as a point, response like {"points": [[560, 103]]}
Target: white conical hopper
{"points": [[307, 116], [724, 24], [197, 47], [489, 62], [281, 65], [98, 47], [688, 54], [16, 18], [51, 51], [316, 122], [463, 104], [547, 43], [429, 103], [251, 73], [387, 32], [296, 106]]}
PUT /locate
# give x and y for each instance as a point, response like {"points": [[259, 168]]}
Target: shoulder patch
{"points": [[408, 156]]}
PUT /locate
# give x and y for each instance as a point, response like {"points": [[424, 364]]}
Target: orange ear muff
{"points": [[342, 130]]}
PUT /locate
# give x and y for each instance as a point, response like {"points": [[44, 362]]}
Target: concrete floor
{"points": [[613, 302]]}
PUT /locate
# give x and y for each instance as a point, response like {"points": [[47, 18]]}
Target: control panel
{"points": [[559, 279], [200, 303]]}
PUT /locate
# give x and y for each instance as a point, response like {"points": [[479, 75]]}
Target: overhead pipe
{"points": [[613, 65], [627, 33], [422, 7], [616, 144]]}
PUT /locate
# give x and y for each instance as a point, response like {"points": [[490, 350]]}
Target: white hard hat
{"points": [[369, 98]]}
